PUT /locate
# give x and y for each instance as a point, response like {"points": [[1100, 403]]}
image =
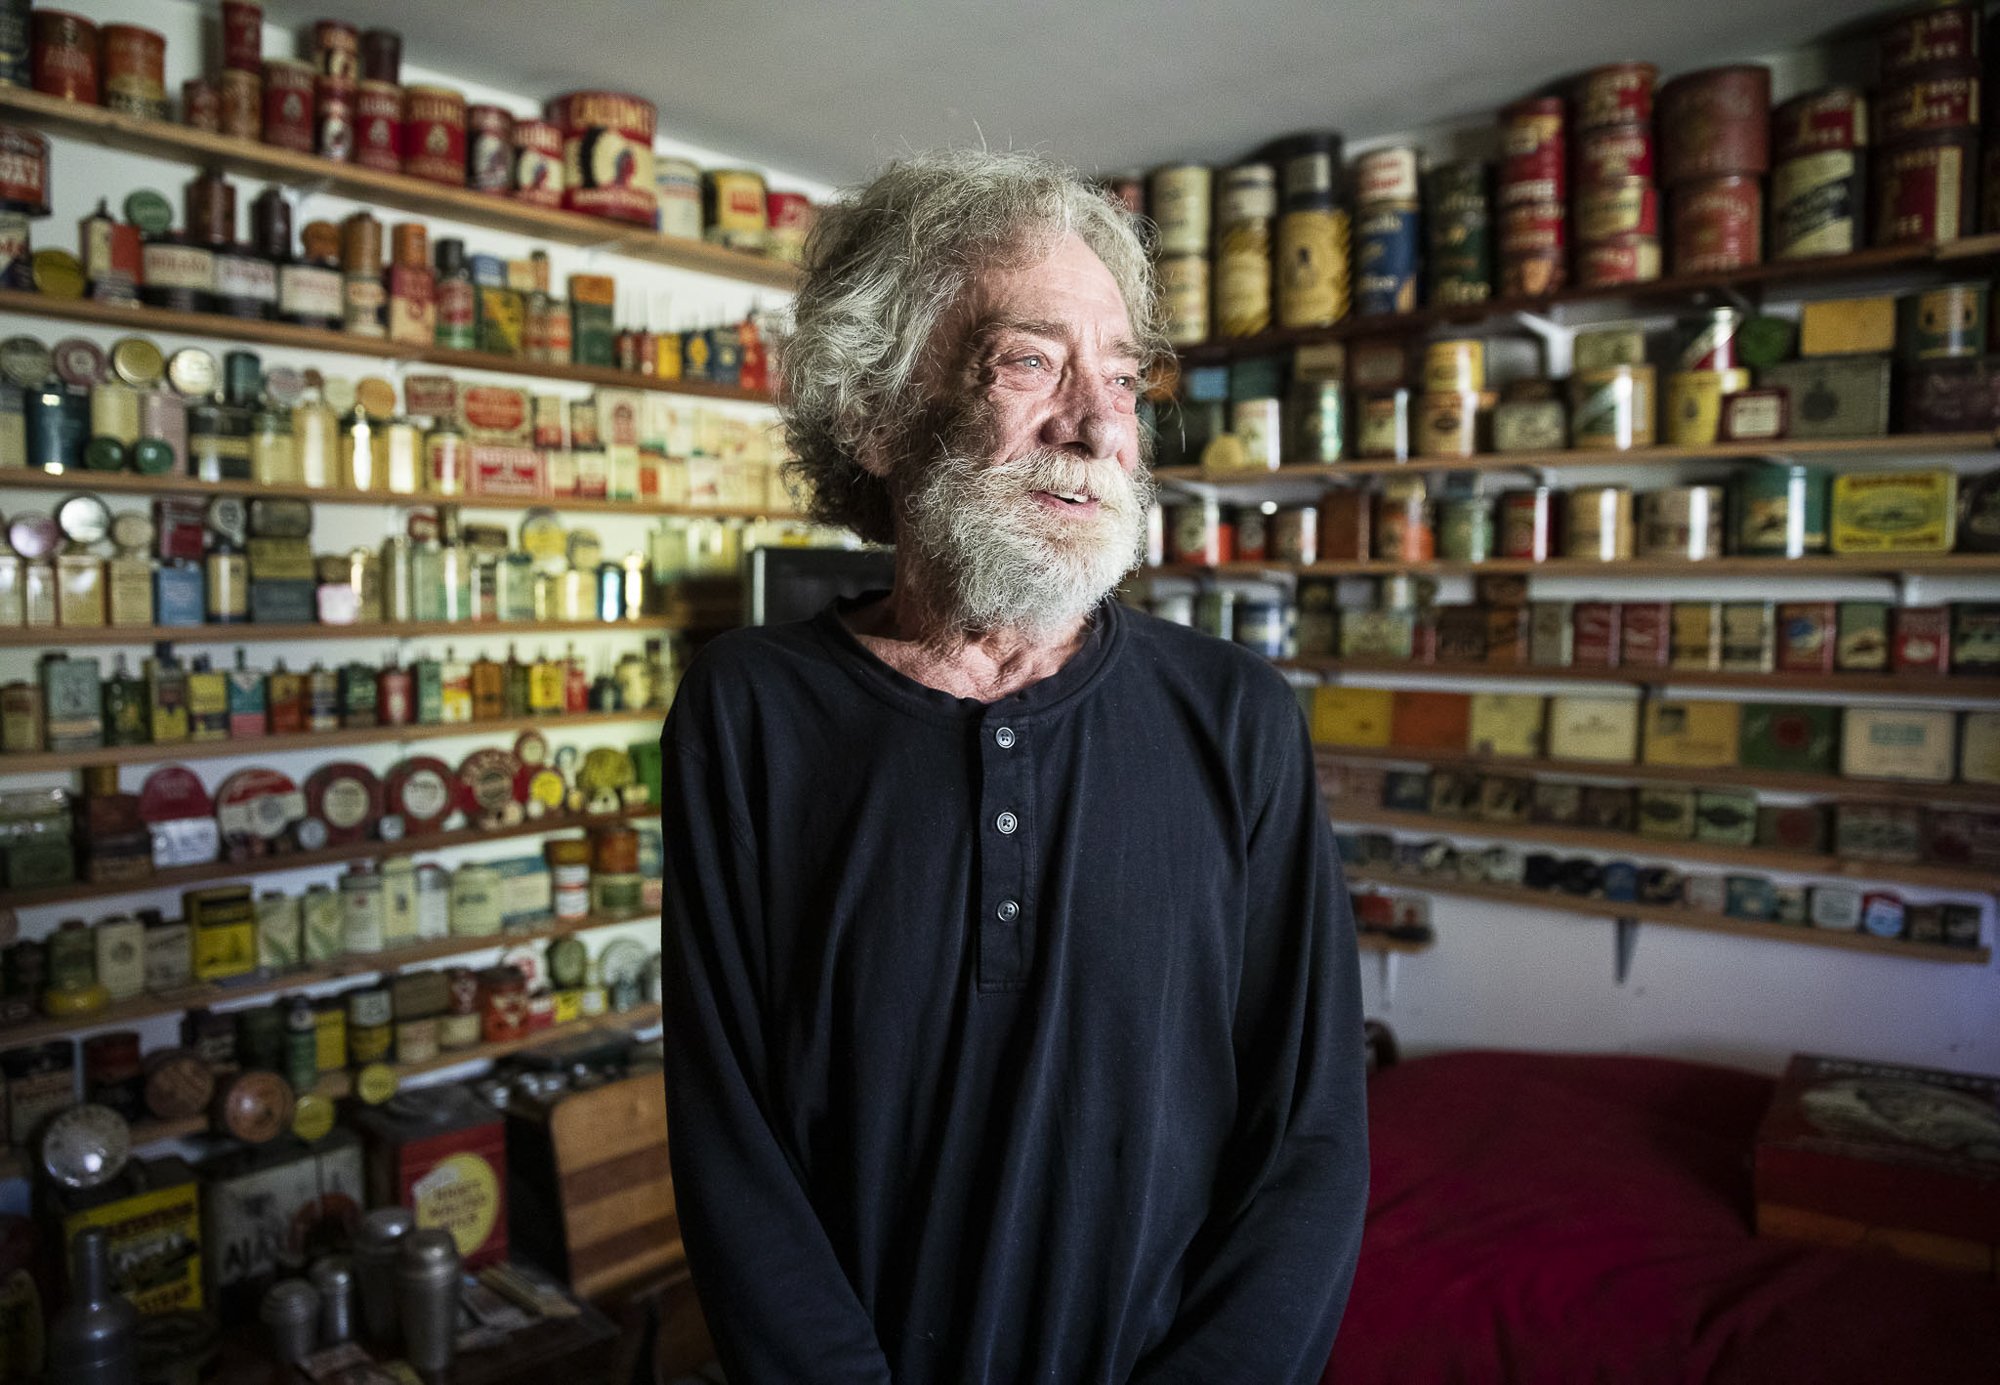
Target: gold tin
{"points": [[1895, 511], [1599, 527], [1455, 366], [1694, 404], [1612, 408], [1683, 522], [1448, 424]]}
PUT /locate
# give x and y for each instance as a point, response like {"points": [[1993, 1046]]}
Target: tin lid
{"points": [[429, 1250], [33, 535], [289, 1302], [58, 274], [25, 361], [339, 394], [376, 396], [138, 361], [85, 1146], [312, 1120], [191, 371], [173, 792], [149, 211], [153, 456], [320, 241], [84, 519], [79, 362], [103, 453], [385, 1226], [422, 792], [255, 1107], [132, 530]]}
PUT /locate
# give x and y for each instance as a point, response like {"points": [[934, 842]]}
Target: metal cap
{"points": [[289, 1302], [429, 1249], [333, 1274], [385, 1225]]}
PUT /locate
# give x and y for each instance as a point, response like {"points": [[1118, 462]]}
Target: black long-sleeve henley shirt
{"points": [[1015, 1040]]}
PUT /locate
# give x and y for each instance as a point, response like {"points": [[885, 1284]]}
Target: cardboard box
{"points": [[1858, 1153], [1506, 724], [1352, 716], [1907, 743], [1692, 734], [1603, 729]]}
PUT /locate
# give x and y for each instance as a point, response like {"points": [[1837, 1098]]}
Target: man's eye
{"points": [[1032, 361]]}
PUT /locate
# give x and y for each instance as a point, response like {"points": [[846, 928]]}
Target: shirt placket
{"points": [[1005, 906]]}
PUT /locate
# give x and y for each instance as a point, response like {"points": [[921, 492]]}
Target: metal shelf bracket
{"points": [[1625, 942]]}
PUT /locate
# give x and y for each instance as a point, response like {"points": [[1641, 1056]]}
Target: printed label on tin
{"points": [[1920, 195], [1815, 206]]}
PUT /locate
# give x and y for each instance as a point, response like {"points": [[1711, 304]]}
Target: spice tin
{"points": [[135, 71], [290, 93], [1715, 123], [336, 50], [1179, 197], [1928, 106], [1718, 225], [1611, 152], [1460, 218], [1312, 274], [1682, 522], [1183, 287], [1619, 207], [1385, 260], [1612, 407], [378, 126], [538, 167], [242, 35], [1616, 94], [1598, 523], [1819, 205], [333, 119], [1534, 154], [1921, 193], [489, 149], [434, 134], [1944, 323], [1382, 425], [1295, 534], [1457, 364], [1315, 422], [241, 98], [64, 55]]}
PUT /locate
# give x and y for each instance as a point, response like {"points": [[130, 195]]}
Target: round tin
{"points": [[1313, 289], [1309, 170], [1928, 106], [1681, 522], [1718, 225], [1944, 323], [538, 169], [1295, 534], [1465, 529], [64, 55], [25, 361], [1781, 509], [1611, 152], [1249, 193], [1382, 424], [1598, 523], [1529, 524], [1819, 205], [1460, 218], [1403, 532], [1619, 260], [333, 119], [1715, 122], [1448, 423], [1386, 175], [1922, 192], [378, 126], [1183, 283], [242, 35], [57, 274], [336, 50], [135, 71], [24, 171], [1385, 260], [792, 216], [1708, 341], [679, 188], [290, 88], [1539, 228], [1455, 365], [1938, 38], [381, 56], [1243, 277], [1612, 408], [242, 97], [1534, 158], [1831, 118], [608, 155], [1625, 207], [1533, 275], [79, 362], [434, 134], [1315, 422], [201, 105], [1179, 196], [1616, 94], [489, 149]]}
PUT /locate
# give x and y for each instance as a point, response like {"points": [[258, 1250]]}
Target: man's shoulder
{"points": [[1207, 666], [753, 664]]}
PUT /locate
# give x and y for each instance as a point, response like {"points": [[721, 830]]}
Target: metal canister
{"points": [[163, 415], [1183, 281], [381, 56], [1612, 407], [1929, 105], [1781, 510], [736, 207], [1681, 522], [1619, 260], [336, 50], [1617, 207], [1295, 534], [1818, 194], [1313, 251], [677, 183], [434, 134], [290, 94], [1708, 341], [1598, 523], [1460, 221], [1922, 193], [1465, 529], [1403, 532], [1246, 210], [1196, 534], [1315, 422], [1530, 524], [1718, 224], [1258, 425], [201, 105], [538, 167], [1615, 94], [1448, 423], [1534, 152], [1944, 323], [1611, 152], [333, 118], [378, 126], [1716, 123], [608, 155], [1179, 196], [1455, 364], [1534, 237], [135, 71], [64, 52], [242, 35], [1382, 425], [1263, 622], [242, 98], [1693, 413], [1385, 259], [1386, 177], [489, 149]]}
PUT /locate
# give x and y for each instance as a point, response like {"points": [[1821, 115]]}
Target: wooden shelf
{"points": [[317, 740], [1673, 916], [1785, 569], [1632, 844], [1887, 259], [131, 483], [248, 158], [1968, 687], [180, 877], [1824, 785], [55, 636], [1897, 444], [129, 1012], [226, 328], [1378, 942], [334, 1086]]}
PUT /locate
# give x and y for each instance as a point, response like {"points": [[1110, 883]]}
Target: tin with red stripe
{"points": [[1533, 151], [242, 35], [607, 154], [201, 105], [1921, 193], [336, 49], [1718, 225], [1832, 118], [1716, 123], [289, 98], [65, 52], [538, 163], [1537, 229], [1619, 260], [24, 171], [1614, 151], [1928, 106], [1626, 207], [378, 126], [434, 134], [489, 149], [1616, 94], [1943, 38]]}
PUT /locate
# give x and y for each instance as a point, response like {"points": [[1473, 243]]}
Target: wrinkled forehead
{"points": [[1059, 290]]}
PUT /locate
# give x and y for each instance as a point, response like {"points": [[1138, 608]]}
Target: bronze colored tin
{"points": [[201, 105], [1534, 151], [1716, 123], [1616, 94], [135, 71], [64, 55], [209, 209], [336, 49], [24, 170], [242, 96], [608, 154], [434, 134], [382, 56], [1718, 225]]}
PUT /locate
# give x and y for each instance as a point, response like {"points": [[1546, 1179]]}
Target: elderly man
{"points": [[1013, 1022]]}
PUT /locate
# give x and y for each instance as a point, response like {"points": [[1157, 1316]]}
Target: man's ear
{"points": [[873, 453]]}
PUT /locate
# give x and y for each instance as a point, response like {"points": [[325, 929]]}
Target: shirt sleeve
{"points": [[778, 1302], [1266, 1279]]}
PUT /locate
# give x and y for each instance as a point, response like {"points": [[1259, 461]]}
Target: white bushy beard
{"points": [[992, 556]]}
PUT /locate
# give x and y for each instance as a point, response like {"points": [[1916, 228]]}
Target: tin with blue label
{"points": [[1385, 260]]}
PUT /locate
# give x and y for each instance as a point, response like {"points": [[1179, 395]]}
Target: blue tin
{"points": [[1621, 880], [179, 595], [1385, 262], [488, 271]]}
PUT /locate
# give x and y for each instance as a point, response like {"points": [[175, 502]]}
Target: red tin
{"points": [[434, 134], [289, 99], [1921, 194], [1534, 229], [1939, 38], [1626, 207], [1617, 94], [1716, 122], [378, 126], [134, 67], [1718, 225], [1927, 106], [1619, 260], [336, 48], [489, 149], [1823, 121], [538, 163], [201, 105], [242, 36], [1534, 152], [1614, 151], [65, 52], [24, 170], [333, 118], [607, 154]]}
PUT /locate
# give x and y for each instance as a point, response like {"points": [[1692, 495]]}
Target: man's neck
{"points": [[907, 633]]}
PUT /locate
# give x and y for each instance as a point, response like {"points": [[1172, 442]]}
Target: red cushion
{"points": [[1567, 1218]]}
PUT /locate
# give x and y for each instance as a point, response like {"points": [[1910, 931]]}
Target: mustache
{"points": [[1065, 473]]}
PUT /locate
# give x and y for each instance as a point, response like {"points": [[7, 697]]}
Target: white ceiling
{"points": [[828, 89]]}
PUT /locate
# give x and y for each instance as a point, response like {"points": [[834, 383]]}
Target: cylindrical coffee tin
{"points": [[1715, 123], [1245, 210], [1195, 534], [1616, 94], [135, 71], [1611, 152], [378, 126], [1944, 323], [1312, 267], [538, 168], [1259, 425], [1622, 207], [677, 183], [208, 209], [1922, 191], [242, 36], [1619, 260], [242, 96], [434, 134], [1534, 152], [1718, 224], [607, 154], [1683, 522], [65, 55], [1454, 365], [336, 50], [1179, 196], [1693, 413], [1612, 408], [1938, 38], [333, 118], [1597, 522], [1460, 222], [1248, 193], [1818, 122], [1448, 423], [289, 94], [201, 105], [1295, 534], [1534, 228], [1385, 260], [1781, 509], [489, 149], [1465, 529], [1403, 531], [1386, 176], [1931, 105], [1708, 340], [1819, 205], [1309, 169], [1530, 524], [1183, 285], [1382, 425], [1315, 422], [361, 244]]}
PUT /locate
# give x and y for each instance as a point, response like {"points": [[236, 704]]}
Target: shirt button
{"points": [[1008, 911], [1006, 822], [1004, 738]]}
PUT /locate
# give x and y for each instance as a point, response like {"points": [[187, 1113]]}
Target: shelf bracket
{"points": [[1625, 942], [1387, 966]]}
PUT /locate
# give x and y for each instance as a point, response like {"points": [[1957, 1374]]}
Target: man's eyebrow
{"points": [[984, 334]]}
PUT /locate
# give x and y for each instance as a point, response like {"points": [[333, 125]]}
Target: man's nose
{"points": [[1086, 421]]}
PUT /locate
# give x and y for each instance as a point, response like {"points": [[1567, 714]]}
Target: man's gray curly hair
{"points": [[885, 264]]}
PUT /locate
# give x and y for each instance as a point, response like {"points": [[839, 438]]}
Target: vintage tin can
{"points": [[201, 105], [1382, 426], [1448, 423], [1597, 522], [1534, 152], [1465, 529], [1940, 38], [381, 56], [1536, 228], [378, 126], [1682, 522], [1819, 204], [1457, 364], [1708, 341], [1460, 221], [1532, 273], [1611, 152], [538, 167], [489, 149], [242, 35], [135, 71], [1619, 260], [64, 55], [1620, 207], [242, 97], [1693, 414], [1183, 283], [1247, 207], [1196, 534], [735, 206], [290, 94], [1931, 105], [1313, 290], [333, 119], [1612, 407], [1385, 260], [1315, 422], [1403, 532], [1179, 196], [24, 171], [793, 215], [1616, 94], [1715, 123], [1257, 424], [678, 185], [1294, 534], [434, 134], [1386, 176], [1718, 225], [17, 67], [1921, 193], [1944, 323], [336, 50], [1309, 169]]}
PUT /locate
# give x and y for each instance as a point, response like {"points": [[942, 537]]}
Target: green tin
{"points": [[1461, 233], [1781, 509], [1465, 529]]}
